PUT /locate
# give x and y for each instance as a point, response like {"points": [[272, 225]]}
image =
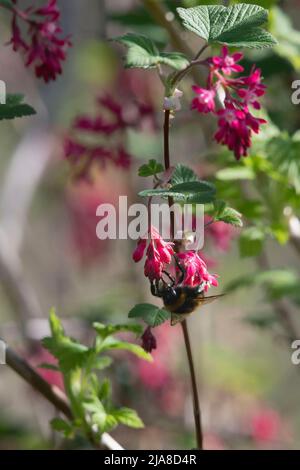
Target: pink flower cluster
{"points": [[235, 121], [44, 48], [221, 234], [159, 254], [196, 271], [111, 120]]}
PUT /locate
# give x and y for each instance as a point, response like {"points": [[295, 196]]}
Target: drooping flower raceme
{"points": [[158, 254], [196, 271], [111, 120], [43, 47], [235, 121]]}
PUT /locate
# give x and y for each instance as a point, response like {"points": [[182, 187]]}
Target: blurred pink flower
{"points": [[42, 356], [221, 234], [82, 201], [265, 425], [111, 119], [43, 47]]}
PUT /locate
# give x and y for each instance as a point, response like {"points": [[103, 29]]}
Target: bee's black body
{"points": [[182, 299], [179, 299]]}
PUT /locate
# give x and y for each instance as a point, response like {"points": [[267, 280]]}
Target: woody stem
{"points": [[197, 412]]}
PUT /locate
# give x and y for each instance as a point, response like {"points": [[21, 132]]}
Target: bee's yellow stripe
{"points": [[180, 301]]}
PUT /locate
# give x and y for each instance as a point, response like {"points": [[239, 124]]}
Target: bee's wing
{"points": [[178, 318], [209, 299]]}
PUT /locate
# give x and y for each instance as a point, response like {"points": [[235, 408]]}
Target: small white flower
{"points": [[172, 103]]}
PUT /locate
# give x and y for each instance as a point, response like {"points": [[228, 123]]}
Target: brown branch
{"points": [[196, 404], [51, 393], [159, 14]]}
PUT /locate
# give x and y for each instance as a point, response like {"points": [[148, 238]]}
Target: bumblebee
{"points": [[178, 299]]}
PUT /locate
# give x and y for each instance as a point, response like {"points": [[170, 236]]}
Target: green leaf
{"points": [[288, 37], [175, 60], [151, 314], [105, 390], [98, 414], [111, 343], [251, 242], [60, 425], [200, 192], [230, 216], [233, 174], [237, 25], [56, 327], [143, 53], [284, 152], [15, 108], [159, 193], [281, 232], [107, 330], [151, 168], [128, 417], [278, 281], [183, 174], [101, 363], [192, 192], [252, 209], [70, 353]]}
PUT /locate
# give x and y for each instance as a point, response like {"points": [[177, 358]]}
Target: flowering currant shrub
{"points": [[232, 99], [228, 94], [179, 276]]}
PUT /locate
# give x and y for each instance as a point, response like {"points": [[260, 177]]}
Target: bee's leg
{"points": [[155, 289], [181, 269], [170, 277]]}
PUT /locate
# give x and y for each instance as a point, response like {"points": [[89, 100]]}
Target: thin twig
{"points": [[159, 14], [196, 404], [197, 412], [53, 394]]}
